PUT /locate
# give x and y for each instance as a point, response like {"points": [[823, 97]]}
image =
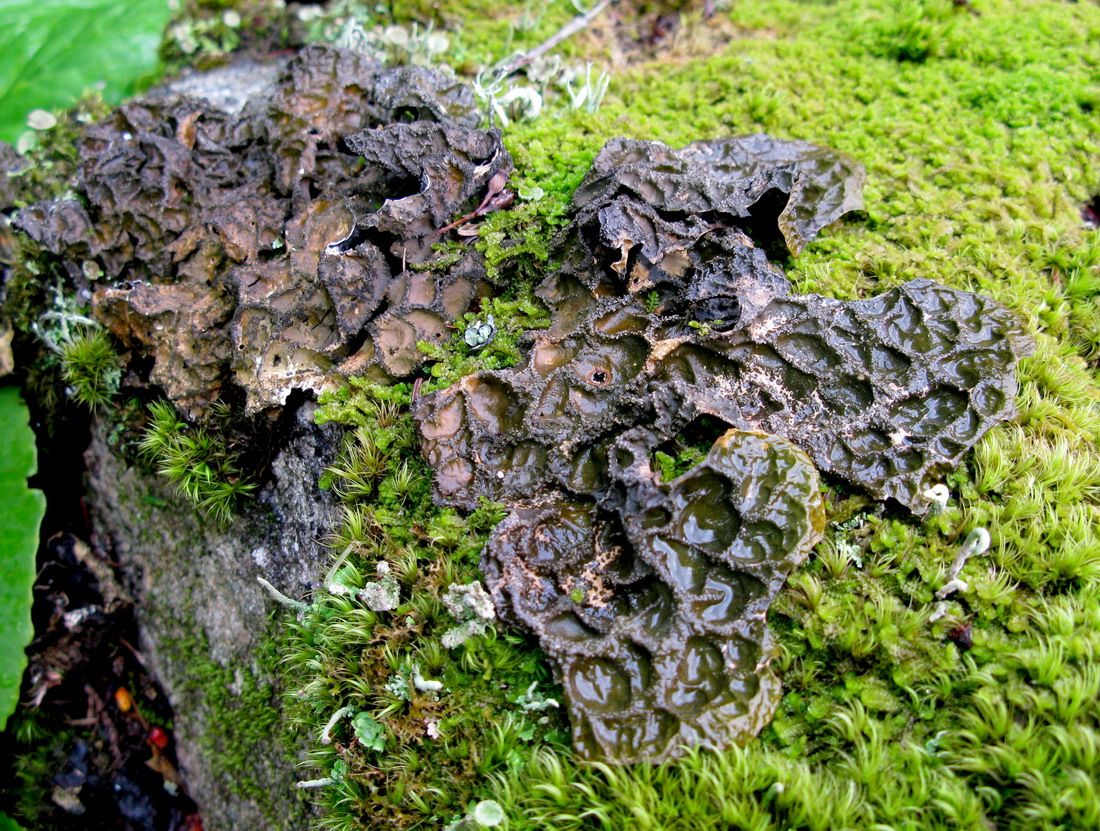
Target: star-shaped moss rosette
{"points": [[670, 327]]}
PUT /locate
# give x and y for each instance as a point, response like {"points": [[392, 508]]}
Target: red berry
{"points": [[158, 737]]}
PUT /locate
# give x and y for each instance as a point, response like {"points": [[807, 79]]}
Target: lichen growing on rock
{"points": [[270, 245], [669, 320]]}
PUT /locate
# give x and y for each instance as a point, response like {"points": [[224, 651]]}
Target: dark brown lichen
{"points": [[667, 312], [655, 613], [266, 244]]}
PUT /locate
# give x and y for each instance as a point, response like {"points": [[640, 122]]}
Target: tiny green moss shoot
{"points": [[199, 463], [90, 366]]}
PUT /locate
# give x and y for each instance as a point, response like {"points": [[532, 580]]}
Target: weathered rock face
{"points": [[282, 243], [667, 315], [205, 622]]}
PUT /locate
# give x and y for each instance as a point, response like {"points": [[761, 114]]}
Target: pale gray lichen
{"points": [[298, 606], [472, 606], [370, 733], [423, 684], [398, 686], [382, 595], [330, 725], [937, 496], [469, 601], [977, 543], [478, 334], [534, 701]]}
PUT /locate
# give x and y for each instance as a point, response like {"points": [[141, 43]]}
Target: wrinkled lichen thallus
{"points": [[670, 320]]}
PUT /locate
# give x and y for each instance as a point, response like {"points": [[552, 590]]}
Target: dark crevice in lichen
{"points": [[1090, 212]]}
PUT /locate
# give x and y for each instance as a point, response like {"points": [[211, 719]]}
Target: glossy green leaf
{"points": [[53, 50], [21, 510], [8, 824]]}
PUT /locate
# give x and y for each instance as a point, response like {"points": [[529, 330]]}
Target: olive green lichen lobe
{"points": [[655, 615], [888, 392]]}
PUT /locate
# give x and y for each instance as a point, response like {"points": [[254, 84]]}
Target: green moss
{"points": [[430, 751], [90, 365], [243, 714], [39, 748], [197, 461], [51, 154], [203, 32], [978, 134], [514, 313], [486, 31]]}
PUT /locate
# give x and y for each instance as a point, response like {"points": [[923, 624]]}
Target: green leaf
{"points": [[52, 50], [21, 511], [370, 733]]}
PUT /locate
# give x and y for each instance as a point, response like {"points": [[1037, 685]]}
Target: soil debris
{"points": [[109, 757]]}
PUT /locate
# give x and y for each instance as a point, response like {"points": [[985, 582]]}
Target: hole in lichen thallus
{"points": [[599, 377], [1090, 212], [689, 447]]}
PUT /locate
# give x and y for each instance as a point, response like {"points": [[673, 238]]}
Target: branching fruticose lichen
{"points": [[669, 321]]}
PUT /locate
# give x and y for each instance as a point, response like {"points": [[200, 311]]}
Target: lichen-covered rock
{"points": [[669, 326], [655, 614], [283, 243], [206, 624]]}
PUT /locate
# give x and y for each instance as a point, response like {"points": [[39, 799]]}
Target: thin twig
{"points": [[581, 21]]}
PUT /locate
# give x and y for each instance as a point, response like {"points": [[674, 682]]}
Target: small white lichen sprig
{"points": [[534, 701], [937, 496], [472, 607], [298, 606], [382, 595], [976, 544], [589, 95], [506, 103]]}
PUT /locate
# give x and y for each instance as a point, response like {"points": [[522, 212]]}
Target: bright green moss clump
{"points": [[901, 710], [90, 366], [198, 461], [442, 719]]}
